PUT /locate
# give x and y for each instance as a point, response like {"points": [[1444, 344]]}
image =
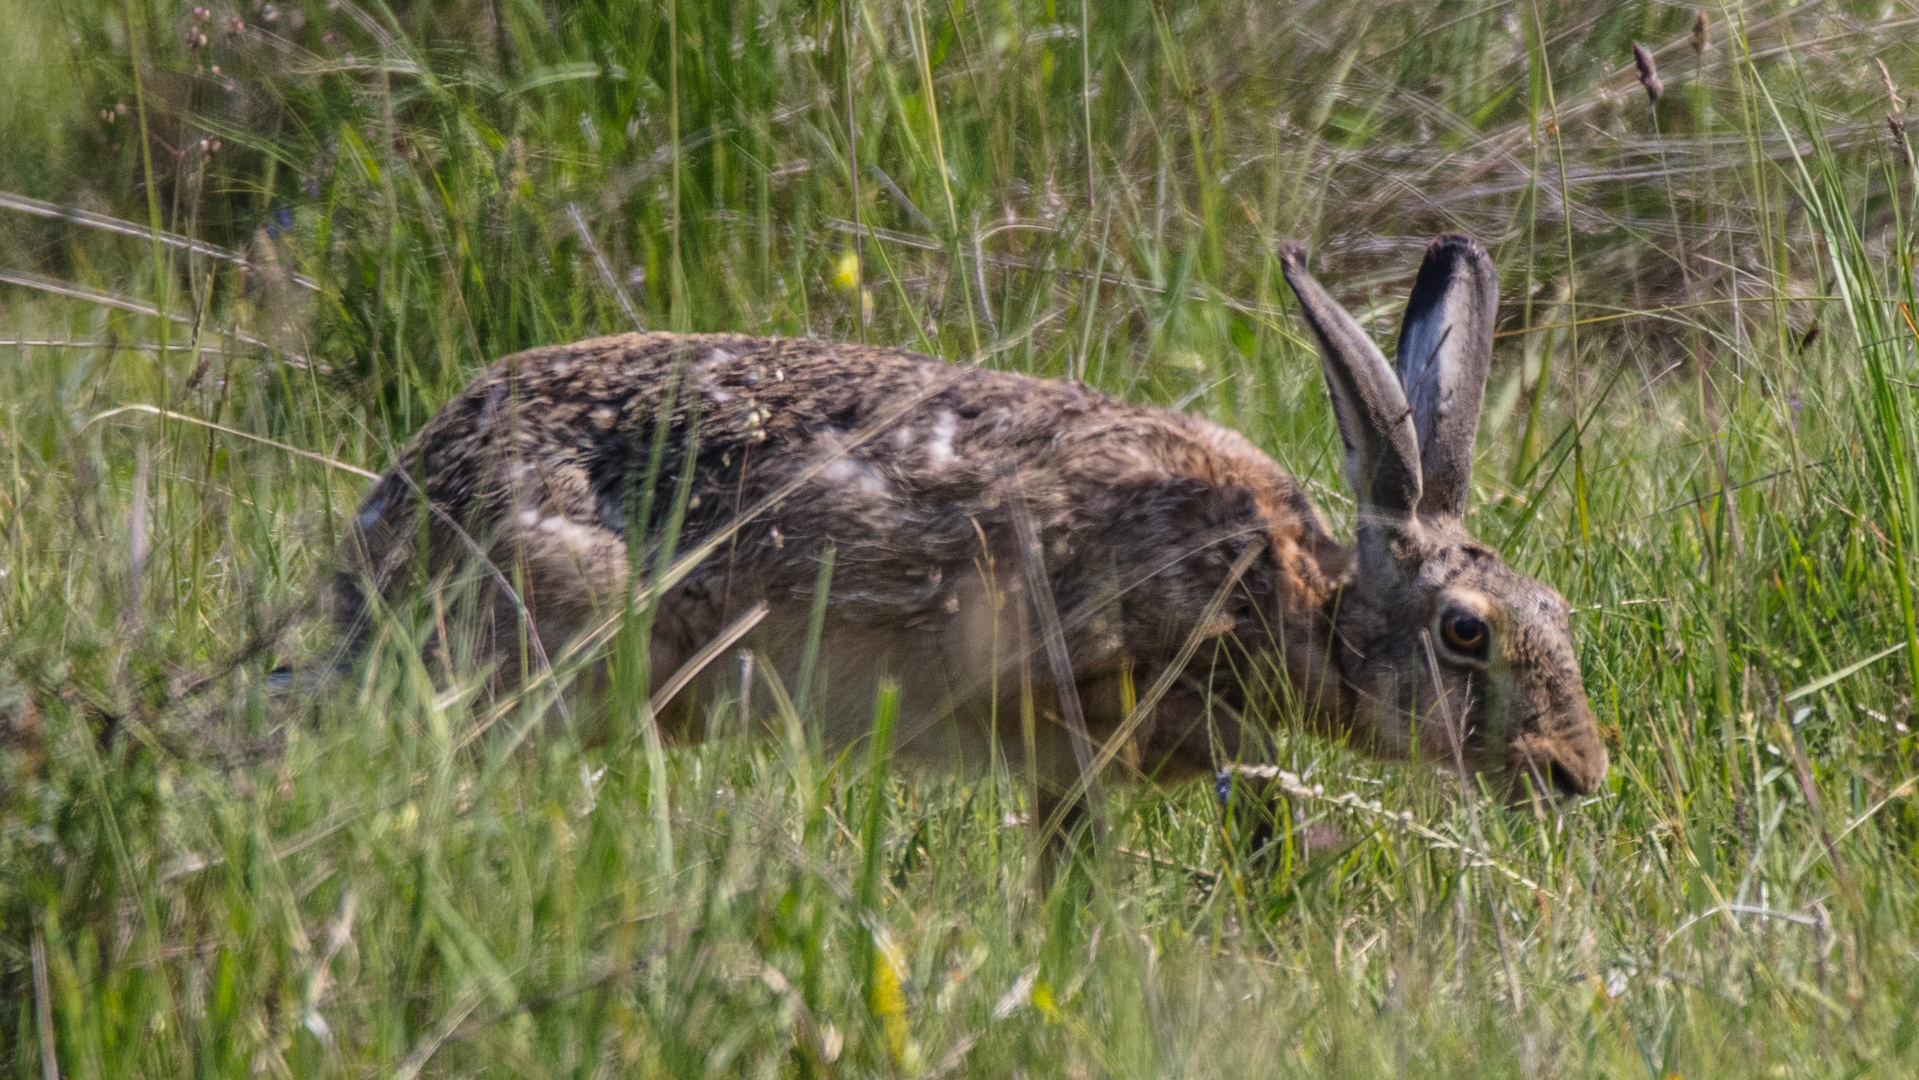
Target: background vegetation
{"points": [[295, 228]]}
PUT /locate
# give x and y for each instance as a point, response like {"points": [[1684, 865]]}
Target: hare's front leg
{"points": [[1175, 741], [1183, 736], [1189, 734], [1194, 737]]}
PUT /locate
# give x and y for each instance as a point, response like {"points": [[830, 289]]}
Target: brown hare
{"points": [[1125, 573]]}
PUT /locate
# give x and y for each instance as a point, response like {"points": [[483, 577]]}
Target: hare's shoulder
{"points": [[1178, 451], [1132, 441]]}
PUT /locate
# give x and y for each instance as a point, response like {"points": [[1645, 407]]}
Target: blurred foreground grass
{"points": [[310, 223]]}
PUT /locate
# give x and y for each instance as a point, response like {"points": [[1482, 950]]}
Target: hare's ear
{"points": [[1445, 350], [1375, 424]]}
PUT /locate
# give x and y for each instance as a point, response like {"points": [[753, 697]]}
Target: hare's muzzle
{"points": [[1559, 765]]}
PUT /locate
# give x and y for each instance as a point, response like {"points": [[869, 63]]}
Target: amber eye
{"points": [[1465, 631]]}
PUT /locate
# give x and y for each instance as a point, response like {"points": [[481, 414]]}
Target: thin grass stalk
{"points": [[853, 166], [682, 314], [815, 629], [1572, 282], [1526, 460], [929, 95], [1086, 104], [880, 988], [162, 281]]}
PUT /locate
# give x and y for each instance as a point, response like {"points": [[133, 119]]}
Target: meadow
{"points": [[246, 250]]}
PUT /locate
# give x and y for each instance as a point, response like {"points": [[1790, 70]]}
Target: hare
{"points": [[1124, 578]]}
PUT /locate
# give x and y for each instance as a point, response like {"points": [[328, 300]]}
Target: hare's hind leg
{"points": [[551, 575], [566, 577]]}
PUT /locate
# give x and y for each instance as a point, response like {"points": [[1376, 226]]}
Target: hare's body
{"points": [[912, 471], [950, 497]]}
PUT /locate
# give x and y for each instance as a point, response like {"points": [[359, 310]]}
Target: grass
{"points": [[1700, 428]]}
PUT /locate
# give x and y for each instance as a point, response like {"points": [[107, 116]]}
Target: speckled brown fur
{"points": [[1142, 513]]}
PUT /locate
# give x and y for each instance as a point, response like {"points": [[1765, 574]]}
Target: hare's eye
{"points": [[1465, 631]]}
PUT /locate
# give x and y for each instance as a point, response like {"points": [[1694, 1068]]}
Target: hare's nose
{"points": [[1563, 767], [1577, 767]]}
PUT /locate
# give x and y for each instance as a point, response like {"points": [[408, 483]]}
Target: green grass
{"points": [[199, 879]]}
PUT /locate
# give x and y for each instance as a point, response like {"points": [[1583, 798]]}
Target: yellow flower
{"points": [[1042, 998], [846, 273], [887, 1001]]}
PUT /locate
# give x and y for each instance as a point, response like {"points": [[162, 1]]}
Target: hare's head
{"points": [[1444, 651]]}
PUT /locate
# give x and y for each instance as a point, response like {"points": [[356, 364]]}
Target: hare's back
{"points": [[880, 441]]}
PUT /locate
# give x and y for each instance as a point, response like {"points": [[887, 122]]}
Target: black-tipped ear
{"points": [[1445, 351], [1382, 447]]}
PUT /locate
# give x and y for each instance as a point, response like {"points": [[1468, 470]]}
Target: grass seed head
{"points": [[1699, 24], [1648, 72]]}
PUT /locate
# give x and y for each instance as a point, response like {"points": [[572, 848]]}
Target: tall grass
{"points": [[1700, 428]]}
